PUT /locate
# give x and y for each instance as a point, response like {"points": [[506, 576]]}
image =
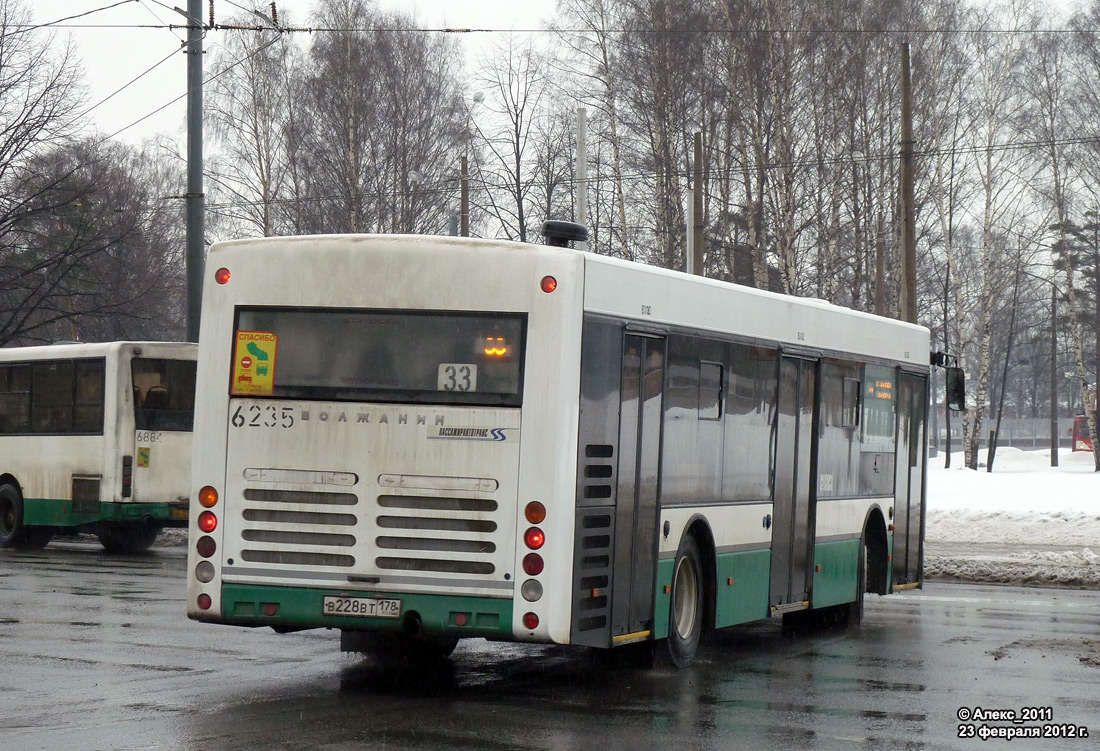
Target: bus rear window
{"points": [[164, 394], [384, 356]]}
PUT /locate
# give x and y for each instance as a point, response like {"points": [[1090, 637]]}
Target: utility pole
{"points": [[464, 198], [1053, 376], [697, 239], [582, 166], [905, 174], [196, 259]]}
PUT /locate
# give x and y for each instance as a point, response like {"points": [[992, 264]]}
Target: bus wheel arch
{"points": [[875, 551]]}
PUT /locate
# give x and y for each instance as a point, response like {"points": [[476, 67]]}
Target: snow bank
{"points": [[1024, 523]]}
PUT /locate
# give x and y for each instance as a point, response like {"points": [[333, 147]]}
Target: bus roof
{"points": [[621, 288], [647, 295], [68, 350]]}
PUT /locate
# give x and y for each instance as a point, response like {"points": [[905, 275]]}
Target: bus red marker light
{"points": [[461, 619], [548, 284], [206, 546], [534, 538], [204, 601], [221, 276], [535, 512], [208, 497], [270, 609], [532, 564], [207, 521], [530, 621]]}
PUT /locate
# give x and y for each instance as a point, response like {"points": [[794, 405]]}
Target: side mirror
{"points": [[956, 388]]}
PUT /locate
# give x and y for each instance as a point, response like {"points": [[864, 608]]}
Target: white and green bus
{"points": [[95, 438], [420, 439]]}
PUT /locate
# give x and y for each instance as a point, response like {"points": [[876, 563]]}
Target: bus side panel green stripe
{"points": [[836, 572], [49, 512], [663, 601], [300, 607], [746, 599]]}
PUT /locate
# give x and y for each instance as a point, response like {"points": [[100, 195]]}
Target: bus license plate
{"points": [[364, 607]]}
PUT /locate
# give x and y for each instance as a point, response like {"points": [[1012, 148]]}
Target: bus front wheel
{"points": [[11, 517], [685, 619]]}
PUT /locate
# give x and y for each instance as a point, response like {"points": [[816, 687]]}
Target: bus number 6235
{"points": [[266, 416]]}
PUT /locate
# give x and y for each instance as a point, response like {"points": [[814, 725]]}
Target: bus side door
{"points": [[635, 554], [792, 510], [909, 480]]}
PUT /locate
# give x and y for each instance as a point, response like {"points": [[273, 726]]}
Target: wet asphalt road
{"points": [[96, 653]]}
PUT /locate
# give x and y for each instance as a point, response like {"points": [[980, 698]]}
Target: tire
{"points": [[11, 517], [685, 613], [36, 538], [127, 538]]}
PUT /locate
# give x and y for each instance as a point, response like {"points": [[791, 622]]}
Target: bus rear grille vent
{"points": [[299, 528], [599, 470], [297, 558], [591, 595], [433, 534], [300, 496]]}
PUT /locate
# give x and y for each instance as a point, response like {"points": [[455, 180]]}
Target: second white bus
{"points": [[95, 438]]}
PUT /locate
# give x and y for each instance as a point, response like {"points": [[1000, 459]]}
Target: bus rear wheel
{"points": [[127, 538], [685, 619]]}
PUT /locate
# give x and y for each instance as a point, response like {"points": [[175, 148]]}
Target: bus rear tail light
{"points": [[208, 522], [530, 621], [534, 538], [204, 601], [532, 564], [548, 284], [221, 276], [127, 476], [208, 497]]}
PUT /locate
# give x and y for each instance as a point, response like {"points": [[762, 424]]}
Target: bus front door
{"points": [[792, 511], [635, 543]]}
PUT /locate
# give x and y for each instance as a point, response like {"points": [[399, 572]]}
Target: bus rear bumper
{"points": [[293, 608]]}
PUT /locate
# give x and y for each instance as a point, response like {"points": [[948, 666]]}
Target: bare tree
{"points": [[381, 119], [596, 59], [515, 77], [249, 106], [97, 254]]}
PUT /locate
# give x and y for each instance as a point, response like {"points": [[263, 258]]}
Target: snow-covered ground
{"points": [[1024, 523]]}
